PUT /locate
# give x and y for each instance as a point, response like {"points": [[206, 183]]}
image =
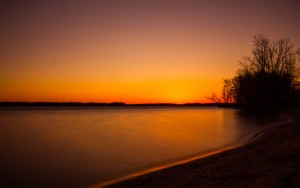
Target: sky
{"points": [[134, 51]]}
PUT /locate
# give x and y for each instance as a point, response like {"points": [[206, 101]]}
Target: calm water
{"points": [[67, 147]]}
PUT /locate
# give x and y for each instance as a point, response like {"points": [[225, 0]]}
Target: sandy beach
{"points": [[270, 159]]}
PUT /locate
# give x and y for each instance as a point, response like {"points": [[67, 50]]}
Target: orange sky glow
{"points": [[131, 51]]}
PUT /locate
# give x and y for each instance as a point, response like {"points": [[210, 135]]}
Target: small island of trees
{"points": [[267, 78]]}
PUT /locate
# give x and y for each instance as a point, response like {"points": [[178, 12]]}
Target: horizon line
{"points": [[72, 103]]}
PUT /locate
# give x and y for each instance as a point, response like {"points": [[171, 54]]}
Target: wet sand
{"points": [[271, 159]]}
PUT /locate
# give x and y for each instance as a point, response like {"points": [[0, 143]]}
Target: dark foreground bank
{"points": [[272, 159]]}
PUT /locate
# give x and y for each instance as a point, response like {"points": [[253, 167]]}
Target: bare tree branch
{"points": [[214, 98]]}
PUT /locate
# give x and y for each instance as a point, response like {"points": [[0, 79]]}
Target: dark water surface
{"points": [[79, 146]]}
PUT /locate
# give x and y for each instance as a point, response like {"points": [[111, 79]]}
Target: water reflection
{"points": [[56, 147]]}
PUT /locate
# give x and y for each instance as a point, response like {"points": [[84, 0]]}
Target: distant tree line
{"points": [[267, 78]]}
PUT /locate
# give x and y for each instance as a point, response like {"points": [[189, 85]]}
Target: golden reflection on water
{"points": [[68, 147]]}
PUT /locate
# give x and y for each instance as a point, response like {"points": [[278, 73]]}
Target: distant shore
{"points": [[271, 159], [36, 104]]}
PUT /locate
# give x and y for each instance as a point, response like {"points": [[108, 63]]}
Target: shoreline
{"points": [[251, 136], [162, 167], [227, 166]]}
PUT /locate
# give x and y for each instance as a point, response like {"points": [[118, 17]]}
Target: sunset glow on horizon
{"points": [[131, 51]]}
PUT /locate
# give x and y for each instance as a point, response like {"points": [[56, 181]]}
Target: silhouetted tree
{"points": [[268, 77], [215, 98], [229, 90]]}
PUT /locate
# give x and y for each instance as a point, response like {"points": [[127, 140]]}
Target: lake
{"points": [[81, 146]]}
